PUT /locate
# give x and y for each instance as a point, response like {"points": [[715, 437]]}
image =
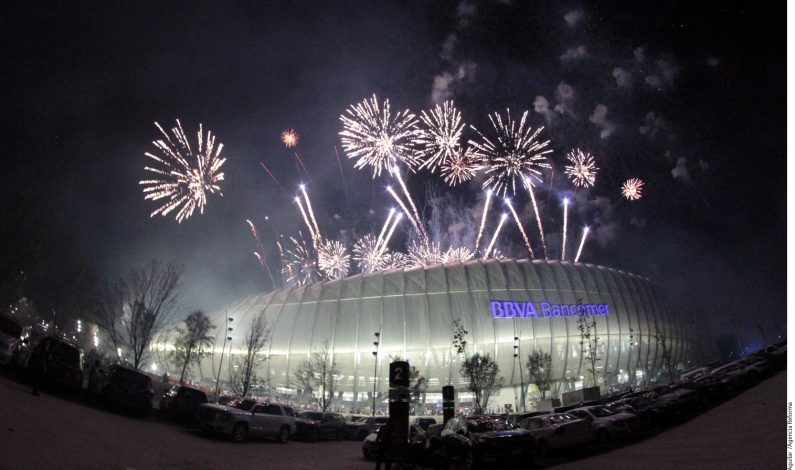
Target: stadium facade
{"points": [[539, 302]]}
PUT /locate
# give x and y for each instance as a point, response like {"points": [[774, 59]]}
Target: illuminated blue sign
{"points": [[511, 309]]}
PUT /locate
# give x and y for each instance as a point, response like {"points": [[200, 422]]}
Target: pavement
{"points": [[746, 432]]}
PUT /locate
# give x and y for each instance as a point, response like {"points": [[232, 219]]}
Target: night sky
{"points": [[694, 96]]}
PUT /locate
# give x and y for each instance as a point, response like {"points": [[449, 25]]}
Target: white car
{"points": [[248, 418], [606, 424], [557, 431]]}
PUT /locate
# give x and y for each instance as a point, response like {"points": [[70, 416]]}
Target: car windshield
{"points": [[242, 404], [311, 415], [488, 423], [65, 353], [192, 394], [131, 376], [10, 327], [600, 411]]}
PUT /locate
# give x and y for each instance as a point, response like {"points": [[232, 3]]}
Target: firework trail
{"points": [[565, 225], [333, 260], [306, 221], [582, 169], [384, 228], [406, 211], [374, 138], [462, 166], [521, 227], [311, 212], [582, 242], [274, 179], [289, 138], [342, 177], [385, 242], [438, 140], [483, 219], [183, 186], [513, 153], [304, 270], [457, 255], [496, 233], [632, 188], [529, 185], [425, 254], [396, 172]]}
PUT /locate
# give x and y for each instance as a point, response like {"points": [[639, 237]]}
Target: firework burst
{"points": [[366, 254], [632, 188], [462, 166], [375, 138], [437, 140], [333, 260], [457, 255], [395, 260], [582, 170], [185, 177], [302, 268], [425, 254], [290, 138], [513, 153]]}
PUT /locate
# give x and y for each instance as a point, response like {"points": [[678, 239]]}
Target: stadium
{"points": [[508, 306]]}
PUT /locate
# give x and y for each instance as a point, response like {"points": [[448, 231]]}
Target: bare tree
{"points": [[539, 367], [193, 341], [317, 376], [134, 310], [662, 342], [242, 375], [480, 369], [590, 346]]}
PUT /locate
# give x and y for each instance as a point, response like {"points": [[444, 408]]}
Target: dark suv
{"points": [[58, 362], [314, 425], [128, 388], [181, 402]]}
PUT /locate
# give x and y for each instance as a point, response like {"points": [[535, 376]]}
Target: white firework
{"points": [[333, 259], [437, 138], [582, 170], [375, 138], [185, 176], [394, 260], [425, 254], [632, 189], [302, 268], [512, 154], [458, 255], [462, 166], [366, 254]]}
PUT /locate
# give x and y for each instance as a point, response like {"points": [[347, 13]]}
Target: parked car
{"points": [[62, 365], [485, 440], [360, 429], [607, 424], [10, 340], [370, 444], [651, 411], [557, 431], [314, 425], [248, 418], [128, 388], [516, 418], [424, 423], [181, 402], [739, 376], [693, 374]]}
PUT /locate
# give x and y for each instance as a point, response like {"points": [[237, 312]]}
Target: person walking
{"points": [[41, 361], [383, 440]]}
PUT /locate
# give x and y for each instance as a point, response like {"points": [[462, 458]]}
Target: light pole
{"points": [[517, 355], [228, 329], [375, 366]]}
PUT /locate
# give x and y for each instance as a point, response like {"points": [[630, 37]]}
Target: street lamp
{"points": [[375, 366], [221, 362], [517, 355]]}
